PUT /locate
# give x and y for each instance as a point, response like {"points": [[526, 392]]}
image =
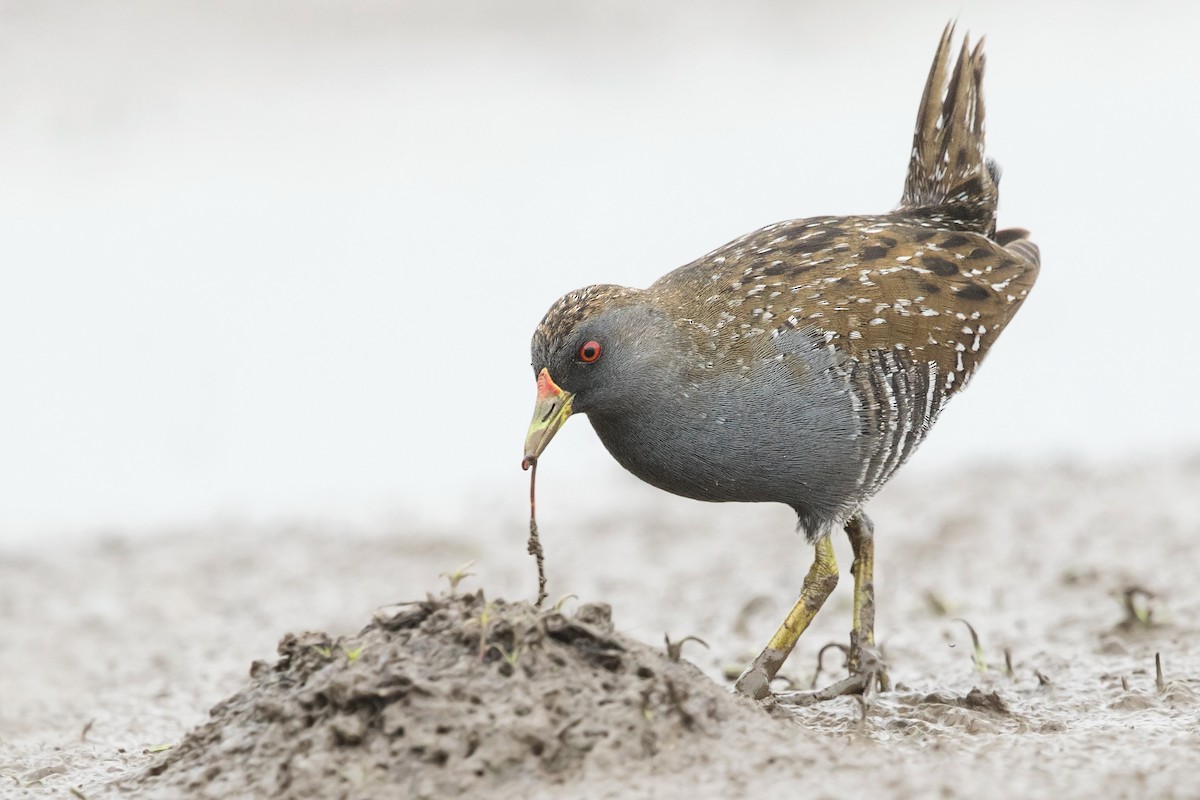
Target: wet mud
{"points": [[1038, 623], [455, 696]]}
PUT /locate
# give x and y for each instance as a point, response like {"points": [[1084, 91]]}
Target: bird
{"points": [[805, 362]]}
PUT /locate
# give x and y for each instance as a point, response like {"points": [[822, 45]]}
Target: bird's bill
{"points": [[551, 410]]}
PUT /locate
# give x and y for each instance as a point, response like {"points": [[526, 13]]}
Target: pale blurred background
{"points": [[280, 260]]}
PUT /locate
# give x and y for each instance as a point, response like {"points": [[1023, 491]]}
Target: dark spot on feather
{"points": [[979, 252], [939, 266], [924, 236], [796, 270], [772, 270], [929, 288], [972, 291], [954, 241], [874, 252], [815, 243], [887, 241]]}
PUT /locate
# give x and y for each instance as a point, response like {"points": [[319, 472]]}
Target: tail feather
{"points": [[1016, 241], [950, 182]]}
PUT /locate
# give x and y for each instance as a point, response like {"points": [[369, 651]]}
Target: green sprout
{"points": [[510, 657], [458, 576], [562, 601], [936, 604], [486, 617], [980, 661], [1138, 614]]}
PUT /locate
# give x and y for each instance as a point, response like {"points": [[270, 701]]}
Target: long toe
{"points": [[855, 684]]}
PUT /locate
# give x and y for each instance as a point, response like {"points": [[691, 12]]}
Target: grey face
{"points": [[582, 361], [607, 361]]}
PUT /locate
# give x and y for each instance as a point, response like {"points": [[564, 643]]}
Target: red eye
{"points": [[589, 352]]}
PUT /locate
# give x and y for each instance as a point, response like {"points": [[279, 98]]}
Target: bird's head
{"points": [[601, 349]]}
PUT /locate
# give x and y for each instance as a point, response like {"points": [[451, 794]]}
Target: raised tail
{"points": [[950, 182]]}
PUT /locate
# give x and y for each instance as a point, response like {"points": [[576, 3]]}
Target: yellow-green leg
{"points": [[863, 660], [818, 584]]}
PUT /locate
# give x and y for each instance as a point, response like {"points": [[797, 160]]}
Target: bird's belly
{"points": [[703, 465], [806, 460]]}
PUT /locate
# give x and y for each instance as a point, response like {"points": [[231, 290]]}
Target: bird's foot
{"points": [[755, 682], [867, 672]]}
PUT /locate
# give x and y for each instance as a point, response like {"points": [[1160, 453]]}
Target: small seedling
{"points": [[936, 605], [458, 576], [510, 657], [562, 601], [731, 672], [1137, 615], [352, 654], [159, 748], [484, 621], [980, 661], [821, 659], [675, 649], [324, 650]]}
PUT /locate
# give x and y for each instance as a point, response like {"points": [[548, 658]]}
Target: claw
{"points": [[869, 662]]}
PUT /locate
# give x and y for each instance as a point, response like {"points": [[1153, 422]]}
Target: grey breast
{"points": [[780, 427]]}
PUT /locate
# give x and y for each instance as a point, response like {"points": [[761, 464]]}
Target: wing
{"points": [[865, 284]]}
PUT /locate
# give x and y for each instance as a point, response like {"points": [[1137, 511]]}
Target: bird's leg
{"points": [[863, 660], [866, 668], [821, 579]]}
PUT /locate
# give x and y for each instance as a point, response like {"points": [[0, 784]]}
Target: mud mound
{"points": [[446, 697]]}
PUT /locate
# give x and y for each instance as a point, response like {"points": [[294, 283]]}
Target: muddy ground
{"points": [[311, 661]]}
